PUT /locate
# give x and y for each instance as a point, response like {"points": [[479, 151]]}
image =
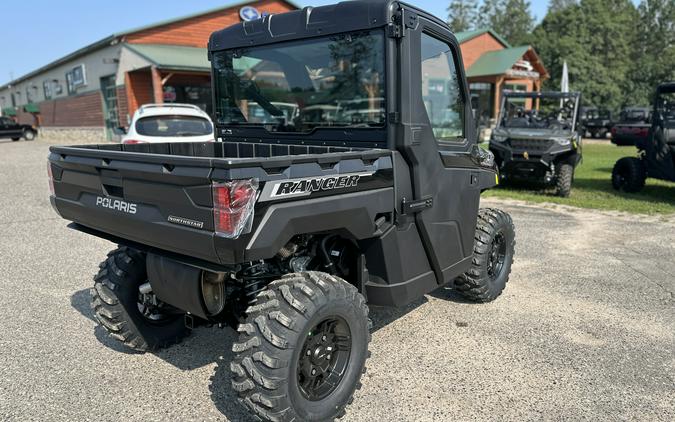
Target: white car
{"points": [[153, 123]]}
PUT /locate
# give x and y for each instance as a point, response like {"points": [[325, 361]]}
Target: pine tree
{"points": [[511, 19], [559, 5], [597, 39], [462, 15], [654, 49]]}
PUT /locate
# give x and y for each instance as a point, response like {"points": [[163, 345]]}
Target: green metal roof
{"points": [[173, 57], [31, 108], [465, 36], [496, 62], [9, 111]]}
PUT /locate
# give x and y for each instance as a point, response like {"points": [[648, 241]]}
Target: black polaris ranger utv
{"points": [[597, 123], [369, 194], [537, 138], [656, 156]]}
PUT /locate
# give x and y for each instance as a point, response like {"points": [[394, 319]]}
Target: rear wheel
{"points": [[134, 317], [302, 349], [629, 174], [564, 175], [494, 247]]}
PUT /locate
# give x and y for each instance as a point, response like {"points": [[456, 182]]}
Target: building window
{"points": [[441, 90], [482, 100], [79, 77], [76, 78], [47, 88], [517, 88], [69, 83]]}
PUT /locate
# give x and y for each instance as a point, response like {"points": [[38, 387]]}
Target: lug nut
{"points": [[327, 357], [309, 353], [313, 371], [323, 338]]}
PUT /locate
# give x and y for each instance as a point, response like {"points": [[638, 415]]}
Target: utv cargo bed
{"points": [[161, 195]]}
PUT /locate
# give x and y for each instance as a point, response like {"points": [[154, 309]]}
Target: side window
{"points": [[441, 90]]}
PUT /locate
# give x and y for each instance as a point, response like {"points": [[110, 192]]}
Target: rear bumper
{"points": [[151, 232]]}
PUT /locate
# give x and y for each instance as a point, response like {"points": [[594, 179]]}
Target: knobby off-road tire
{"points": [[494, 246], [564, 175], [629, 174], [115, 302], [283, 341]]}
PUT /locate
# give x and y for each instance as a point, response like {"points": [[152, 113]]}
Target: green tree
{"points": [[596, 38], [462, 15], [511, 19], [654, 49], [558, 5]]}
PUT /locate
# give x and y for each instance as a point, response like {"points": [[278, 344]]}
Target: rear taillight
{"points": [[132, 142], [233, 204], [51, 178]]}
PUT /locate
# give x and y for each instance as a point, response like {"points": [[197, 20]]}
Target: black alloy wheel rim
{"points": [[497, 256], [150, 311], [324, 358]]}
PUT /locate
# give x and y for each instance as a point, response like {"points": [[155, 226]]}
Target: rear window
{"points": [[175, 126]]}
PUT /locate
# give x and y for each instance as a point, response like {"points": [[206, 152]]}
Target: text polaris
{"points": [[116, 204]]}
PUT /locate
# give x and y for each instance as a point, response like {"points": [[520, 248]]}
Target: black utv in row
{"points": [[293, 226], [656, 157], [595, 122], [537, 138]]}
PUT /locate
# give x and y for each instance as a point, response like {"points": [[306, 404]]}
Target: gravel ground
{"points": [[584, 331]]}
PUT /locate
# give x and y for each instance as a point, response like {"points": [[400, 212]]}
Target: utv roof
{"points": [[548, 94], [666, 87], [346, 16]]}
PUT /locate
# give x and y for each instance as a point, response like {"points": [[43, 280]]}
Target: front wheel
{"points": [[564, 176], [629, 175], [129, 314], [29, 135], [302, 349], [494, 247]]}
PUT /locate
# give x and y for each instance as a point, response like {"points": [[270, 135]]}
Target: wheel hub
{"points": [[497, 256], [324, 358]]}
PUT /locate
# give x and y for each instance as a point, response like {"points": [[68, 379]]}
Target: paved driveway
{"points": [[584, 331]]}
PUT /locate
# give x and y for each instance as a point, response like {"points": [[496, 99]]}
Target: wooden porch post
{"points": [[157, 88], [132, 103], [498, 97]]}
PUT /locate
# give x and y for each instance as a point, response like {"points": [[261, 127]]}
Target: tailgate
{"points": [[163, 203]]}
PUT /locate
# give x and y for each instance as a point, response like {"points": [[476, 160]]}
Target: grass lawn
{"points": [[592, 187]]}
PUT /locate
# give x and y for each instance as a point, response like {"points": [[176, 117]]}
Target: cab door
{"points": [[3, 127], [437, 140]]}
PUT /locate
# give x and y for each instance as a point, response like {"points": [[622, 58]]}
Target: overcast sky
{"points": [[37, 32]]}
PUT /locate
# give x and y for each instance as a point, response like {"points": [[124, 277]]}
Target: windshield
{"points": [[542, 112], [173, 126], [665, 106], [634, 115], [598, 114], [298, 86]]}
